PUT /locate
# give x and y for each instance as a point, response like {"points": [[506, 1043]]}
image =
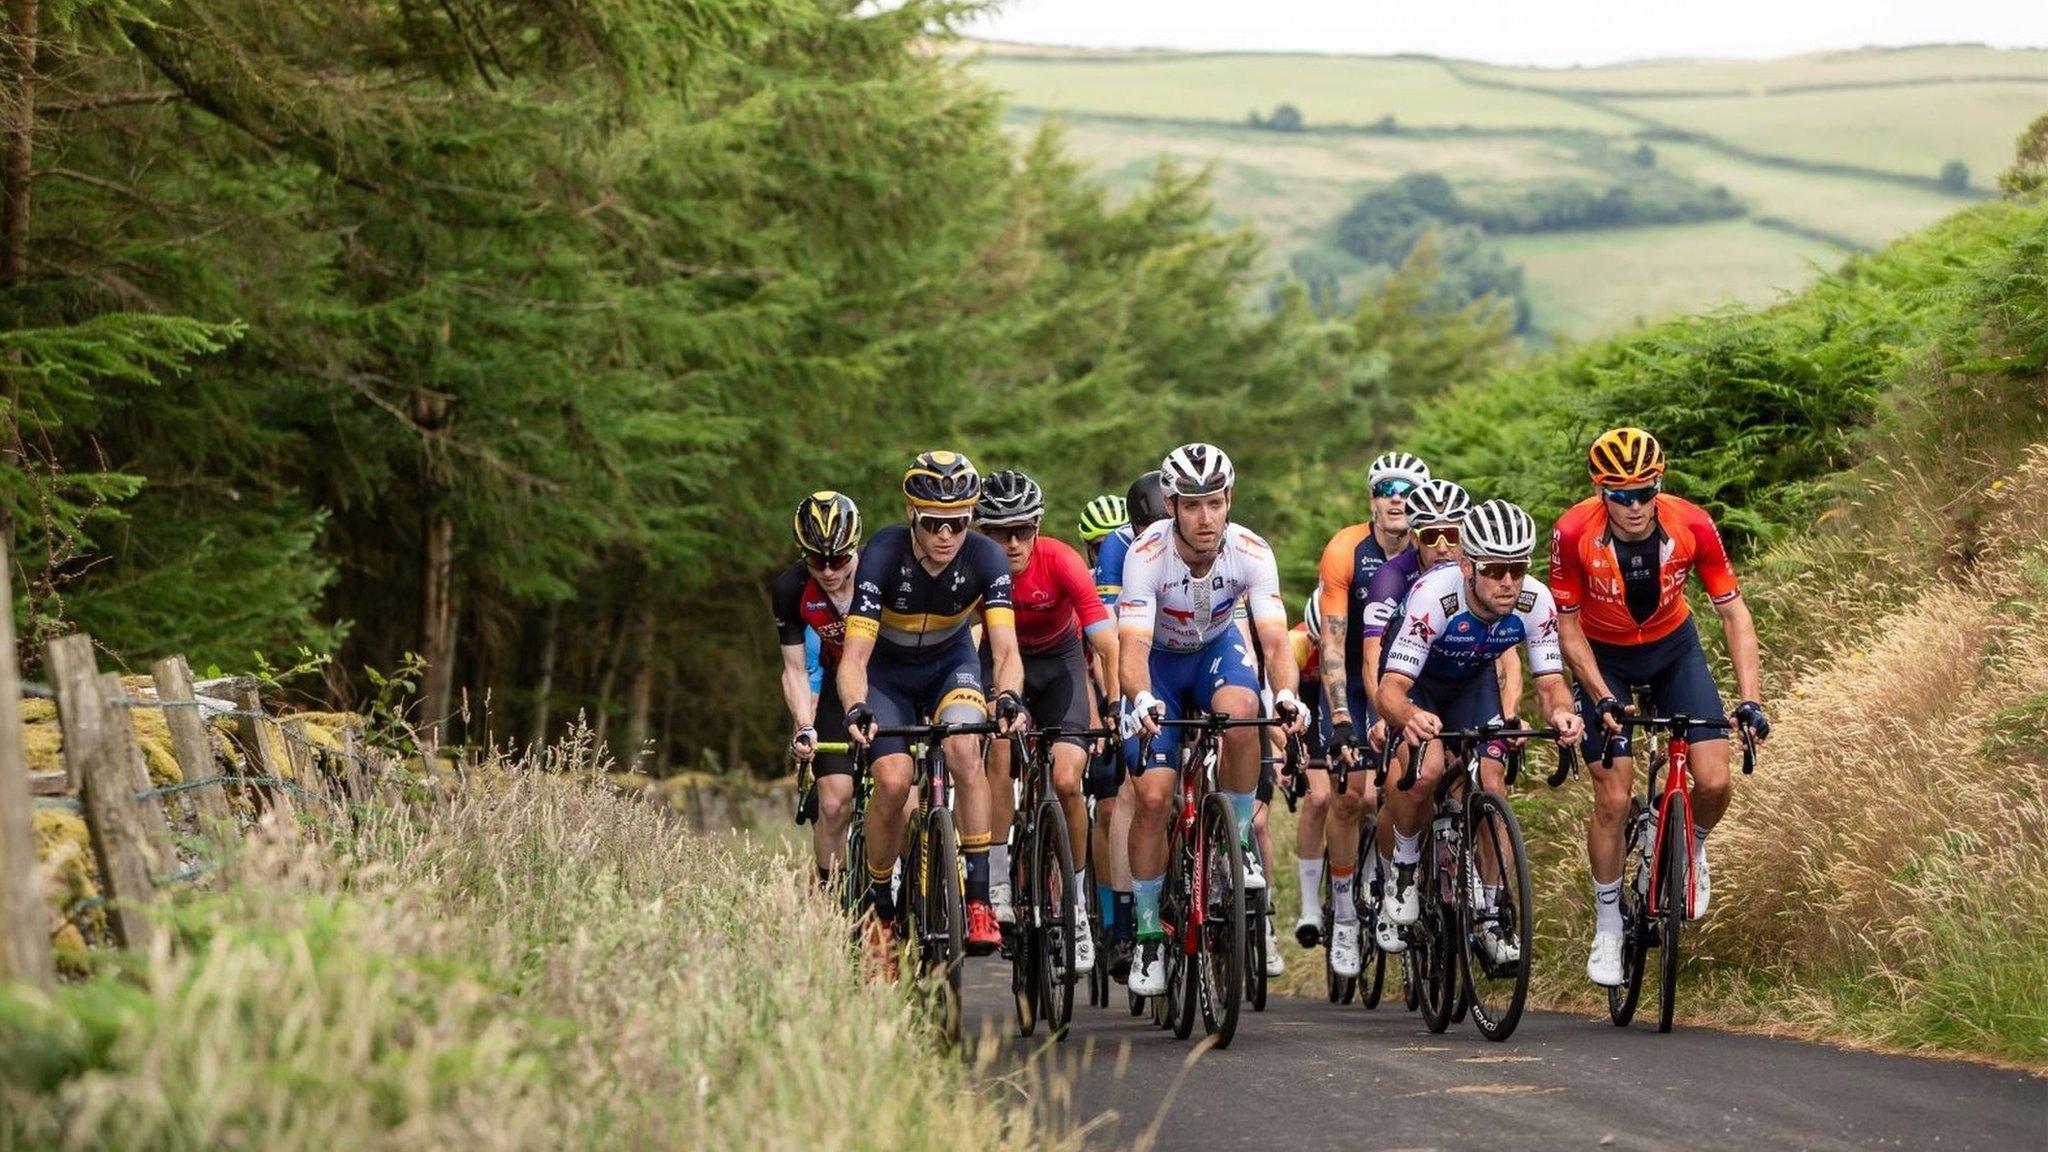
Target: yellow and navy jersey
{"points": [[913, 613]]}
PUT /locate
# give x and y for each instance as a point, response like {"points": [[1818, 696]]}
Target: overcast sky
{"points": [[1546, 32]]}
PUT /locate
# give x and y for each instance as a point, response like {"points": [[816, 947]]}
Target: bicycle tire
{"points": [[1372, 972], [1635, 943], [1221, 944], [1021, 938], [1489, 816], [1438, 965], [1411, 983], [1053, 882], [854, 882], [1255, 979], [1677, 883], [946, 924]]}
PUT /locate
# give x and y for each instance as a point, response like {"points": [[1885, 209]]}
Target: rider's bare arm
{"points": [[796, 686], [1740, 629]]}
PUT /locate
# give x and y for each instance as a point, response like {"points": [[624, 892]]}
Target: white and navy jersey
{"points": [[1438, 637], [1186, 611]]}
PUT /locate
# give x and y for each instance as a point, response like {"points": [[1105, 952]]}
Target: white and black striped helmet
{"points": [[1397, 466], [1437, 502], [1197, 470], [1312, 614], [1498, 530], [1009, 497]]}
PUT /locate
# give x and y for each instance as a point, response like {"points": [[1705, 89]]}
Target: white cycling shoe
{"points": [[1346, 957], [1084, 951], [1387, 935], [1603, 966], [1148, 968], [1702, 884], [1254, 874], [999, 900], [1404, 907], [1275, 963], [1500, 950]]}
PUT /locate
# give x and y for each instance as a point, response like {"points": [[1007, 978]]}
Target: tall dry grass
{"points": [[539, 963]]}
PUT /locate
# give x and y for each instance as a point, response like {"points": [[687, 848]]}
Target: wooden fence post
{"points": [[100, 760], [189, 744], [352, 766], [249, 733], [24, 936], [152, 808]]}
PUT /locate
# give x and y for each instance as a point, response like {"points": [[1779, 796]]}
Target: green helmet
{"points": [[1103, 515]]}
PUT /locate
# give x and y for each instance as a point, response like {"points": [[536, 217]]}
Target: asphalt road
{"points": [[1307, 1075]]}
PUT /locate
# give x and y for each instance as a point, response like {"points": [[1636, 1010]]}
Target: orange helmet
{"points": [[1624, 457]]}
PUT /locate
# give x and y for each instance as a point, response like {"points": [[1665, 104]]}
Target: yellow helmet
{"points": [[826, 524], [1624, 457]]}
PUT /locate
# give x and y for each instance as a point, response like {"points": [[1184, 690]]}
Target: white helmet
{"points": [[1197, 470], [1397, 466], [1312, 614], [1498, 530], [1437, 502]]}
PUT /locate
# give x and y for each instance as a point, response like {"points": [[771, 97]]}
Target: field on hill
{"points": [[1826, 154]]}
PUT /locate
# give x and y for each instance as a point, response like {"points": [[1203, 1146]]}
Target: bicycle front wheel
{"points": [[1495, 922], [1220, 960], [853, 882], [1635, 932], [1672, 904], [942, 936], [1054, 919], [1436, 932]]}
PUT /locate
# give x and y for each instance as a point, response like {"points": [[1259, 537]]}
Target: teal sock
{"points": [[1243, 804], [1105, 900], [1146, 894]]}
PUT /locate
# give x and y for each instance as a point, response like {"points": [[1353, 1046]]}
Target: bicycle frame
{"points": [[1192, 788], [1676, 765]]}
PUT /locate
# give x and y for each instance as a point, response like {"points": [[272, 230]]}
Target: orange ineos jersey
{"points": [[1586, 575]]}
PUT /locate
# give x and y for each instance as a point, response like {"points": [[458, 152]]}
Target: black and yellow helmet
{"points": [[827, 523], [942, 480], [1102, 516], [1625, 457]]}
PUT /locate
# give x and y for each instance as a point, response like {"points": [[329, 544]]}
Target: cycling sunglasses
{"points": [[937, 525], [1513, 570], [1009, 532], [1387, 488], [1630, 497], [1437, 537], [828, 563]]}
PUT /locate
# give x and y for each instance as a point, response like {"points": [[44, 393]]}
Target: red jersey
{"points": [[1054, 590], [1586, 575]]}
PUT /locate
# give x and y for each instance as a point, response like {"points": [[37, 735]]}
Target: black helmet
{"points": [[1146, 501], [827, 523], [942, 480], [1009, 497]]}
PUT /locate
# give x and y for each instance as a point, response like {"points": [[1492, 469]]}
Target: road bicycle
{"points": [[1476, 930], [1657, 890], [1049, 912], [852, 880], [1204, 907], [932, 917]]}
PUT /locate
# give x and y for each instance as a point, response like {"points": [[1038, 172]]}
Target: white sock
{"points": [[1699, 842], [1607, 908], [999, 863], [1386, 873], [1407, 849], [1081, 888], [1311, 873], [1340, 896]]}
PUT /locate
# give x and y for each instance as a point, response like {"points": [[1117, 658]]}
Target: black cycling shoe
{"points": [[1120, 961], [1308, 933]]}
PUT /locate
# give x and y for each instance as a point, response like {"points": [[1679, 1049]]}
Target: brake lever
{"points": [[1414, 769]]}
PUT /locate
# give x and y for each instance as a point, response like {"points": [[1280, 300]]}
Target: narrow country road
{"points": [[1307, 1075]]}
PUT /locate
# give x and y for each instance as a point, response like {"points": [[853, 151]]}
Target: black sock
{"points": [[1126, 915], [977, 874]]}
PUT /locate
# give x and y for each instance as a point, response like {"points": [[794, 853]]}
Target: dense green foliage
{"points": [[508, 334]]}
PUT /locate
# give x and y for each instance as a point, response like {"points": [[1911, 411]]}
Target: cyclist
{"points": [[1618, 566], [1101, 518], [1306, 638], [1436, 515], [810, 599], [1181, 585], [1353, 556], [1441, 674], [909, 654], [1144, 506], [1055, 603]]}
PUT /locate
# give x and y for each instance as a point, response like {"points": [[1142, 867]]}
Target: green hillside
{"points": [[1823, 155]]}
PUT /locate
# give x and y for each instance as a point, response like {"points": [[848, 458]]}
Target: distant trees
{"points": [[1285, 118], [1955, 176], [2029, 172]]}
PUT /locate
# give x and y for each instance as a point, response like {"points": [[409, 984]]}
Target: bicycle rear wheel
{"points": [[1220, 959], [1494, 912], [1438, 965], [1677, 886], [1021, 938], [1372, 973], [1055, 918], [943, 933], [1635, 942]]}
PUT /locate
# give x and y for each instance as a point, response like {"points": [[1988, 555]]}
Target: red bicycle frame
{"points": [[1677, 794]]}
